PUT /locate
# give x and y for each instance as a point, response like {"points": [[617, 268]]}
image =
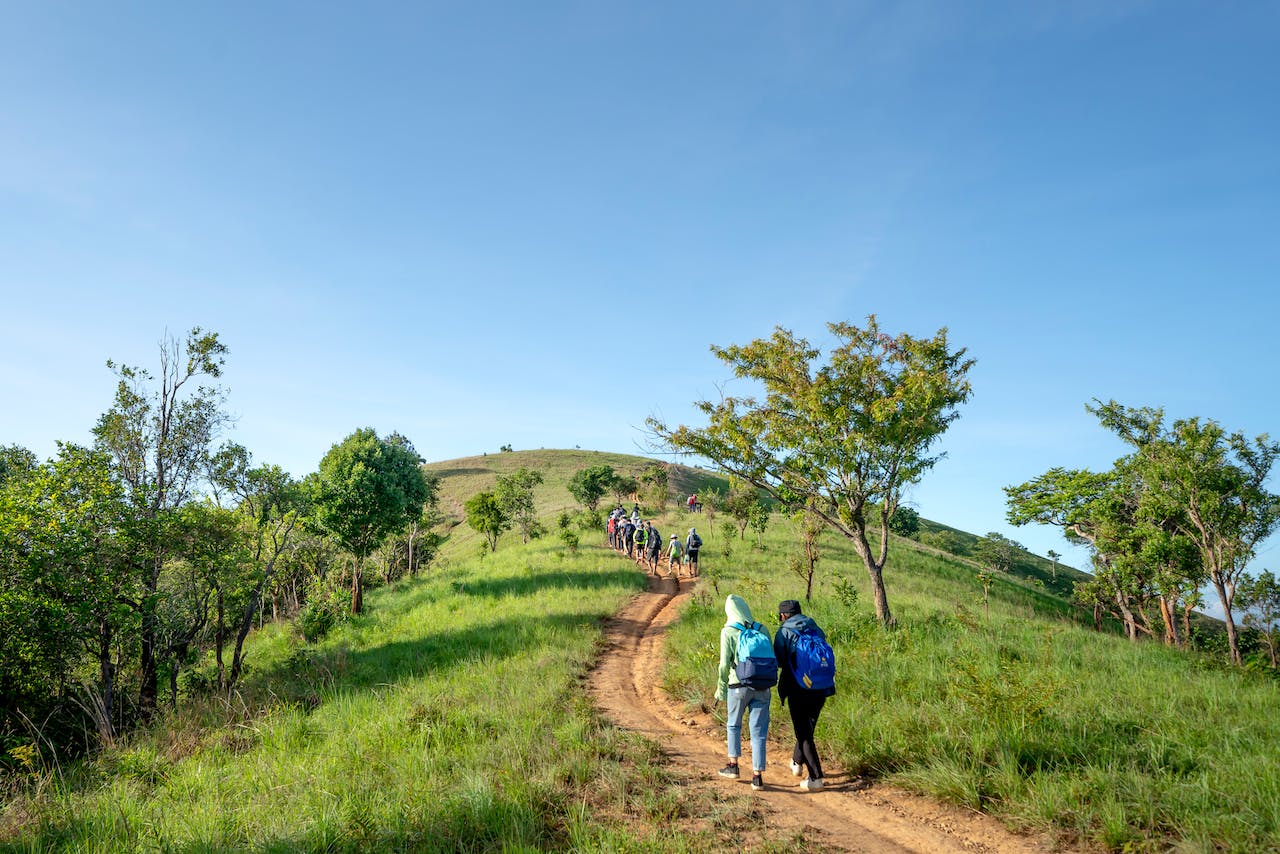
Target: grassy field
{"points": [[451, 716]]}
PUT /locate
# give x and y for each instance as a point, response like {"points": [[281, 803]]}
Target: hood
{"points": [[737, 610], [800, 623]]}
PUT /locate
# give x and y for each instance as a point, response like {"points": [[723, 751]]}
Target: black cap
{"points": [[788, 608]]}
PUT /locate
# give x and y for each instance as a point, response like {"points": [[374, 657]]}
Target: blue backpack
{"points": [[813, 662], [757, 666]]}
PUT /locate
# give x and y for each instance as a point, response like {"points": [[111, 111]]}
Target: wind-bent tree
{"points": [[367, 489], [589, 485], [515, 493], [158, 432], [998, 552], [1053, 557], [485, 515], [841, 438]]}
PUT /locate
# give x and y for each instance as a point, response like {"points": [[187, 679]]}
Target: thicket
{"points": [[132, 571]]}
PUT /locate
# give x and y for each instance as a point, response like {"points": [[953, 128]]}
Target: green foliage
{"points": [[728, 531], [759, 521], [905, 522], [947, 541], [514, 493], [368, 489], [653, 486], [570, 540], [838, 437], [486, 515], [998, 552], [589, 485]]}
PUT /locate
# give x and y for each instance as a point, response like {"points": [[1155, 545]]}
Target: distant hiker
{"points": [[654, 541], [628, 534], [806, 677], [693, 501], [691, 546], [674, 552], [612, 528], [748, 669]]}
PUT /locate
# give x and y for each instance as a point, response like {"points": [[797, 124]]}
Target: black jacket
{"points": [[784, 643]]}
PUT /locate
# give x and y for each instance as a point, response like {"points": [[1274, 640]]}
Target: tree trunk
{"points": [[246, 622], [357, 591], [107, 686], [413, 533], [1170, 622], [1233, 642], [218, 639], [149, 630], [1126, 616]]}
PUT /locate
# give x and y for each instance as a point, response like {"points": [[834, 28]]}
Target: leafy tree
{"points": [[158, 432], [624, 486], [759, 521], [1208, 486], [805, 564], [905, 522], [998, 552], [367, 489], [740, 503], [515, 494], [653, 483], [66, 534], [843, 438], [271, 504], [485, 515], [1259, 601], [589, 485], [15, 462]]}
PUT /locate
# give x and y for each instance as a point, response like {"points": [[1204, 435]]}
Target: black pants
{"points": [[805, 707]]}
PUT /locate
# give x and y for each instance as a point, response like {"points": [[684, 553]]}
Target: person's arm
{"points": [[782, 652], [726, 663]]}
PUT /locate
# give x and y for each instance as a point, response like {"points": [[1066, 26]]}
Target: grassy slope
{"points": [[451, 717]]}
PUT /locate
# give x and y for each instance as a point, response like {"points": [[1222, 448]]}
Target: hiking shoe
{"points": [[730, 771], [757, 782], [796, 770], [811, 784]]}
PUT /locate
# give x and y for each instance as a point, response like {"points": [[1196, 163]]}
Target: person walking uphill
{"points": [[806, 677], [748, 669]]}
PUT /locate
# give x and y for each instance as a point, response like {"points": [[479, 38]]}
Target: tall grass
{"points": [[451, 717], [1027, 713]]}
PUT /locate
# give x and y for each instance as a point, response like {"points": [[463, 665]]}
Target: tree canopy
{"points": [[843, 437]]}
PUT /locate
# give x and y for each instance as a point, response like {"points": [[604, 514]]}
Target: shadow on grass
{"points": [[460, 472], [528, 585]]}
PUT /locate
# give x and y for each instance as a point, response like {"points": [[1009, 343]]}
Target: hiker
{"points": [[628, 533], [691, 546], [639, 538], [748, 669], [612, 528], [693, 501], [806, 677], [654, 540], [674, 551]]}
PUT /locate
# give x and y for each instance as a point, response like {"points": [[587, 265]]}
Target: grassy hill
{"points": [[451, 716]]}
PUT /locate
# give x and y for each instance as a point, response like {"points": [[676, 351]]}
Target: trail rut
{"points": [[848, 815]]}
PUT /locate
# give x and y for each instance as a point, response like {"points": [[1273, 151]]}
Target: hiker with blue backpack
{"points": [[806, 677], [748, 669]]}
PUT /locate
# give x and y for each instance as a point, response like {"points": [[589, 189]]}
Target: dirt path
{"points": [[847, 815]]}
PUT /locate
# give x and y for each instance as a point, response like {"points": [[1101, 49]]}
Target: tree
{"points": [[1053, 556], [1259, 600], [1207, 486], [905, 522], [805, 564], [485, 515], [367, 489], [515, 494], [425, 517], [589, 485], [270, 503], [759, 521], [997, 551], [739, 504], [842, 438], [653, 482], [16, 462], [158, 432]]}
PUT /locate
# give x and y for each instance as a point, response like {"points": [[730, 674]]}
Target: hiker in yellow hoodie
{"points": [[748, 669]]}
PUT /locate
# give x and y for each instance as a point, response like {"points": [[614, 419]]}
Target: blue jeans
{"points": [[756, 703]]}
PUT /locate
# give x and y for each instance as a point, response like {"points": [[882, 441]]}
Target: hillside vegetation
{"points": [[451, 714]]}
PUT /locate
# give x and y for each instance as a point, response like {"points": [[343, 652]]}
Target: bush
{"points": [[316, 621]]}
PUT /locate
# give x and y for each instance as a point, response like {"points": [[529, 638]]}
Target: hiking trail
{"points": [[850, 814]]}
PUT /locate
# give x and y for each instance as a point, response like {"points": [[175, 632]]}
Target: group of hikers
{"points": [[798, 660], [641, 541]]}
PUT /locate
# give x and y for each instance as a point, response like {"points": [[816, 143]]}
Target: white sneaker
{"points": [[811, 785], [796, 770]]}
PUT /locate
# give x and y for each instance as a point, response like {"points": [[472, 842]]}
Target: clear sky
{"points": [[524, 223]]}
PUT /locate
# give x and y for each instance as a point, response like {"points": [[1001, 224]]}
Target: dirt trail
{"points": [[847, 815]]}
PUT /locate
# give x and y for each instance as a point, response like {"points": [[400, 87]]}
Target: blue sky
{"points": [[524, 223]]}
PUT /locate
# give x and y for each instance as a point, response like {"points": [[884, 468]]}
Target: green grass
{"points": [[1027, 713], [452, 716]]}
